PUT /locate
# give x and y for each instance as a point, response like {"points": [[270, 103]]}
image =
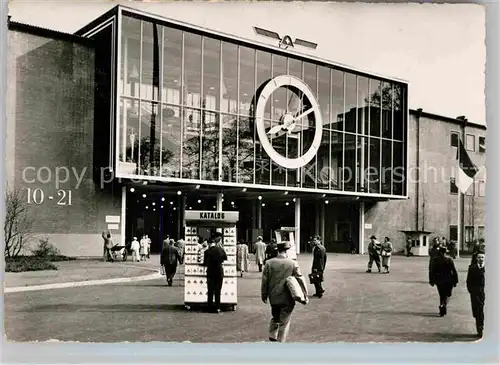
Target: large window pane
{"points": [[373, 171], [337, 164], [191, 144], [247, 80], [192, 70], [210, 145], [229, 78], [130, 61], [211, 72], [323, 95], [349, 172], [150, 71], [337, 117], [129, 116], [374, 98], [398, 113], [229, 147], [323, 157], [387, 115], [386, 173], [362, 162], [245, 150], [172, 65], [350, 102], [363, 99], [398, 174], [171, 141], [295, 67], [279, 102], [149, 148], [308, 128], [262, 168]]}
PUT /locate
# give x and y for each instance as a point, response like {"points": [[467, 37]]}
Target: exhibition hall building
{"points": [[135, 119]]}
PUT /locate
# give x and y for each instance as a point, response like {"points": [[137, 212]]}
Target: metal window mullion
{"points": [[140, 101], [238, 71], [343, 131], [181, 111], [356, 142], [124, 131], [380, 140], [301, 170], [160, 93], [316, 155], [392, 136], [330, 114], [220, 115], [202, 99], [286, 111], [271, 120], [368, 133], [254, 119]]}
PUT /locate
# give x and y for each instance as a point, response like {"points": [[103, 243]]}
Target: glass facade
{"points": [[187, 110]]}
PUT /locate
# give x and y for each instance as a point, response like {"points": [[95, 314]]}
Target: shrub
{"points": [[46, 249], [27, 263]]}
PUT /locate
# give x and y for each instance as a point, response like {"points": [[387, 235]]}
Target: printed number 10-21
{"points": [[37, 196]]}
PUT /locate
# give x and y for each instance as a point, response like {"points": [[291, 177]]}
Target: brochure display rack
{"points": [[195, 279]]}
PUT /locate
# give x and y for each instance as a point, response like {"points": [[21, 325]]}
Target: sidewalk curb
{"points": [[76, 284]]}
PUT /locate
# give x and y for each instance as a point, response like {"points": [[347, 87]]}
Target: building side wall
{"points": [[50, 142], [437, 207]]}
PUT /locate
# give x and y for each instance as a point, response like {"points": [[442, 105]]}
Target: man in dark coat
{"points": [[478, 247], [475, 286], [443, 274], [318, 265], [272, 250], [374, 248], [214, 258], [169, 257]]}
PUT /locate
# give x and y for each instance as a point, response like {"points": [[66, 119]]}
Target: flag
{"points": [[466, 169]]}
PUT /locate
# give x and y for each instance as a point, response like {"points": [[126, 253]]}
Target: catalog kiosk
{"points": [[195, 278], [285, 234]]}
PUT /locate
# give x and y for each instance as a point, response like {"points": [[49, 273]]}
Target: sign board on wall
{"points": [[113, 226], [368, 226], [112, 219]]}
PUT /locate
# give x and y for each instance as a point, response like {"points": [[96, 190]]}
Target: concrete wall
{"points": [[50, 116], [437, 162]]}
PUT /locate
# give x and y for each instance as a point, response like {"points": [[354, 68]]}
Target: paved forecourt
{"points": [[357, 307]]}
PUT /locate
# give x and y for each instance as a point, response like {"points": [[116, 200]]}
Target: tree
{"points": [[386, 95], [18, 222], [145, 161]]}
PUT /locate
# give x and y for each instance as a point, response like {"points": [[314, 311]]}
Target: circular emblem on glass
{"points": [[289, 123]]}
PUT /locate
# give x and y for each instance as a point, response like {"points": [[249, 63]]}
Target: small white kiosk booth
{"points": [[199, 223]]}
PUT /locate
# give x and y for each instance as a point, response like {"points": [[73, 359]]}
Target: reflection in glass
{"points": [[362, 156], [210, 145], [229, 147], [363, 111], [349, 172], [131, 50], [191, 144], [150, 61], [171, 141], [323, 95], [211, 71], [375, 89], [245, 150], [129, 114], [337, 164], [172, 65], [373, 171], [386, 172], [337, 100], [350, 102], [279, 104], [262, 162], [229, 78], [324, 164], [192, 70], [149, 147], [398, 112], [247, 80], [398, 174]]}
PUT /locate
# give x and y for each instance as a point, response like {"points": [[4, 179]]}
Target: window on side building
{"points": [[470, 142], [454, 139], [482, 144], [481, 188], [453, 233], [453, 186], [480, 232]]}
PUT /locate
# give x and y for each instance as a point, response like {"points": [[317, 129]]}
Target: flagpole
{"points": [[459, 206]]}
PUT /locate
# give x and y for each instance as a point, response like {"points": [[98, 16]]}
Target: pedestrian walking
{"points": [[242, 257], [374, 253], [272, 250], [352, 247], [213, 260], [318, 265], [443, 274], [260, 253], [142, 250], [148, 246], [106, 253], [181, 244], [135, 247], [408, 247], [273, 287], [475, 287], [386, 253], [169, 258]]}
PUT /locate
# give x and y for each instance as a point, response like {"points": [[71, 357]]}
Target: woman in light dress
{"points": [[242, 257], [386, 252]]}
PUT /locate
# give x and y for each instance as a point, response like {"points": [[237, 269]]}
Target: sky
{"points": [[439, 49]]}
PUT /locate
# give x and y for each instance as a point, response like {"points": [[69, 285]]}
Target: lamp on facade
{"points": [[179, 192], [244, 190], [263, 204], [144, 195], [153, 203], [287, 203], [294, 200], [260, 197], [132, 190], [199, 201], [147, 207], [162, 199], [171, 203], [197, 186], [326, 201], [285, 193]]}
